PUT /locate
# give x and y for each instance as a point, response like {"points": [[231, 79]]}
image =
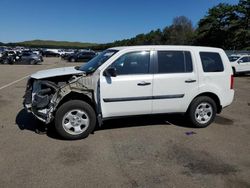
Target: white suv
{"points": [[136, 80], [240, 63]]}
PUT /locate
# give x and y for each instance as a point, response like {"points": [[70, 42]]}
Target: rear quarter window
{"points": [[211, 62]]}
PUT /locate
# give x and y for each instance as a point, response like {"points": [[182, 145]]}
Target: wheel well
{"points": [[214, 97], [77, 96]]}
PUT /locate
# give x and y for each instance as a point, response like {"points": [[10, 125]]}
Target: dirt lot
{"points": [[135, 152]]}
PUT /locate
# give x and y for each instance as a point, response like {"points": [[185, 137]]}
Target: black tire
{"points": [[192, 111], [74, 105], [6, 61], [72, 60], [33, 62]]}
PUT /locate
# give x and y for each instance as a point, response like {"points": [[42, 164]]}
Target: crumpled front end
{"points": [[37, 98], [42, 97]]}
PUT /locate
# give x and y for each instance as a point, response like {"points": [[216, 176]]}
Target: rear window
{"points": [[174, 62], [211, 62]]}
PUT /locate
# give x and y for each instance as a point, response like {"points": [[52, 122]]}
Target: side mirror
{"points": [[110, 72], [240, 61]]}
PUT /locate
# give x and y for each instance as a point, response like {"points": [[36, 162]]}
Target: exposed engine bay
{"points": [[43, 96]]}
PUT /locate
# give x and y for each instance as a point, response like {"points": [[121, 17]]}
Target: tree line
{"points": [[225, 26]]}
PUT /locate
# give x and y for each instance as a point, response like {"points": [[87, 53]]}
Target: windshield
{"points": [[97, 61], [233, 58]]}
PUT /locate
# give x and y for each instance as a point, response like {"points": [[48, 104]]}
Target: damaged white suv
{"points": [[136, 80]]}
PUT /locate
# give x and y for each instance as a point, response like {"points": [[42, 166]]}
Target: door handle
{"points": [[143, 83], [190, 81]]}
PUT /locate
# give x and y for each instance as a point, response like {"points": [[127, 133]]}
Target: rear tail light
{"points": [[232, 82]]}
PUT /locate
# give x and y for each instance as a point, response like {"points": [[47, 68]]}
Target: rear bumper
{"points": [[228, 99]]}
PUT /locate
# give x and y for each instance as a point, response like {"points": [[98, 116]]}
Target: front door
{"points": [[130, 92]]}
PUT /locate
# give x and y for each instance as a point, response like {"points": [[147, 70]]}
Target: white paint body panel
{"points": [[217, 83], [125, 86], [55, 72]]}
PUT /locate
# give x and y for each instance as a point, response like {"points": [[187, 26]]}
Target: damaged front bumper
{"points": [[42, 97], [38, 99]]}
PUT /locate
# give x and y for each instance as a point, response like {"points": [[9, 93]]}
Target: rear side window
{"points": [[174, 62], [211, 62]]}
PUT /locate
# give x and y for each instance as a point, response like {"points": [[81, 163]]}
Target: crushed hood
{"points": [[56, 72]]}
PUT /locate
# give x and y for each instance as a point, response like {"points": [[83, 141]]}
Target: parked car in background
{"points": [[1, 53], [8, 58], [37, 52], [11, 53], [240, 63], [30, 58], [135, 80], [63, 52], [48, 53], [81, 56], [66, 55]]}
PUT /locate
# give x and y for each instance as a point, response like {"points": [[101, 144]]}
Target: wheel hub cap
{"points": [[203, 113], [75, 122]]}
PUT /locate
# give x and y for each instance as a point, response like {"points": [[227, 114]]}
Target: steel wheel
{"points": [[203, 113], [75, 122]]}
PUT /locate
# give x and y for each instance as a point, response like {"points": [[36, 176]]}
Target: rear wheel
{"points": [[202, 111], [72, 60], [75, 120]]}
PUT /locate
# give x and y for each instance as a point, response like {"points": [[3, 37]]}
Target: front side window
{"points": [[211, 62], [174, 62], [133, 63]]}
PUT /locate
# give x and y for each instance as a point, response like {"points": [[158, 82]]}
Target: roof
{"points": [[163, 46]]}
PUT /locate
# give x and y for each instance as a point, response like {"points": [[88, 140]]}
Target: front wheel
{"points": [[202, 111], [75, 119]]}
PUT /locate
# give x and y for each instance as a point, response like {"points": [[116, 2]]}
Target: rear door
{"points": [[130, 92], [175, 81]]}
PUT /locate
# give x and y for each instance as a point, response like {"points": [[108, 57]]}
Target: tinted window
{"points": [[26, 54], [245, 59], [133, 63], [174, 62], [211, 62], [233, 58]]}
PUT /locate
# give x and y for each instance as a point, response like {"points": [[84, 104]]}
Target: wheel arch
{"points": [[77, 96], [212, 96]]}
